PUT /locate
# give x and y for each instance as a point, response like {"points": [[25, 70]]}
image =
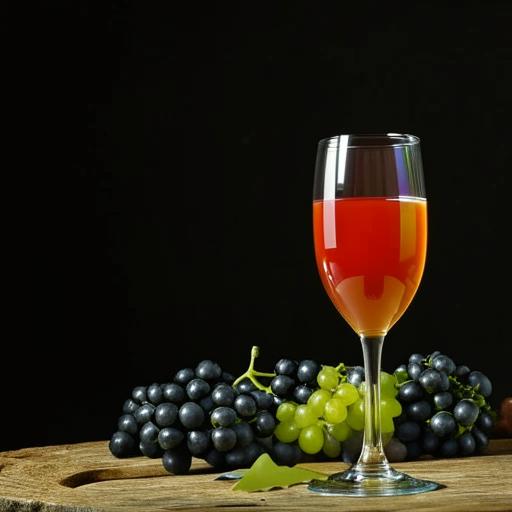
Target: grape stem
{"points": [[252, 374], [341, 368]]}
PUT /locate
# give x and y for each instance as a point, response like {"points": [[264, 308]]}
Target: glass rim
{"points": [[395, 140]]}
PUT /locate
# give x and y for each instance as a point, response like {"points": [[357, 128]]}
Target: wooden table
{"points": [[85, 477]]}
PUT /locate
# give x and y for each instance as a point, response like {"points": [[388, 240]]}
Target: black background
{"points": [[163, 206]]}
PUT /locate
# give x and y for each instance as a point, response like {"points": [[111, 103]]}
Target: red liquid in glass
{"points": [[371, 255]]}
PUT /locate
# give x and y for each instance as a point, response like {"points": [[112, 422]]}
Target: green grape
{"points": [[390, 407], [318, 399], [340, 431], [387, 425], [287, 432], [329, 369], [311, 439], [388, 387], [335, 411], [327, 377], [355, 417], [305, 416], [401, 376], [347, 393], [332, 447], [286, 411]]}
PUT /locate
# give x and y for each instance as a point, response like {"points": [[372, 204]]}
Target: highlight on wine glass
{"points": [[370, 235]]}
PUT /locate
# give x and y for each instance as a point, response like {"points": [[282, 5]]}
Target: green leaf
{"points": [[264, 474]]}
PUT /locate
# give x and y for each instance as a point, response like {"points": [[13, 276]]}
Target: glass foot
{"points": [[360, 482]]}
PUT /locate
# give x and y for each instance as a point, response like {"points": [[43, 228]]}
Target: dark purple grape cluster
{"points": [[295, 380], [445, 412], [198, 414], [206, 413]]}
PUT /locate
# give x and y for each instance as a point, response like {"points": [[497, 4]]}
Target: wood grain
{"points": [[86, 478]]}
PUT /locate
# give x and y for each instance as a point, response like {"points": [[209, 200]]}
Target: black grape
{"points": [[184, 376], [408, 431], [130, 406], [244, 434], [286, 454], [245, 406], [144, 413], [419, 411], [170, 438], [444, 364], [416, 358], [197, 388], [467, 444], [442, 424], [208, 370], [198, 442], [484, 422], [431, 381], [139, 394], [223, 439], [302, 393], [149, 433], [128, 423], [166, 414], [223, 394], [177, 461], [151, 450], [154, 394], [307, 371], [410, 392], [449, 448], [414, 370], [481, 382], [466, 412], [174, 393], [191, 415], [122, 444], [286, 367], [264, 401], [443, 400], [265, 424], [223, 417], [282, 385]]}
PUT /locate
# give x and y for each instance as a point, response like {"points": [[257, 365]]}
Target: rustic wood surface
{"points": [[85, 477]]}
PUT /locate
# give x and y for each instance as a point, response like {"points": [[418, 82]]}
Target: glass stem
{"points": [[372, 453]]}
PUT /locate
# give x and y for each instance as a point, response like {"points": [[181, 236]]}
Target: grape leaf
{"points": [[264, 474]]}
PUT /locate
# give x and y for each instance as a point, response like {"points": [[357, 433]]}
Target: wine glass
{"points": [[370, 233]]}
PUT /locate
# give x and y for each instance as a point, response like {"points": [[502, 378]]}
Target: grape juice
{"points": [[370, 253]]}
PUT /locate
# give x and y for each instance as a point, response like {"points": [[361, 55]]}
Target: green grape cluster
{"points": [[333, 412]]}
